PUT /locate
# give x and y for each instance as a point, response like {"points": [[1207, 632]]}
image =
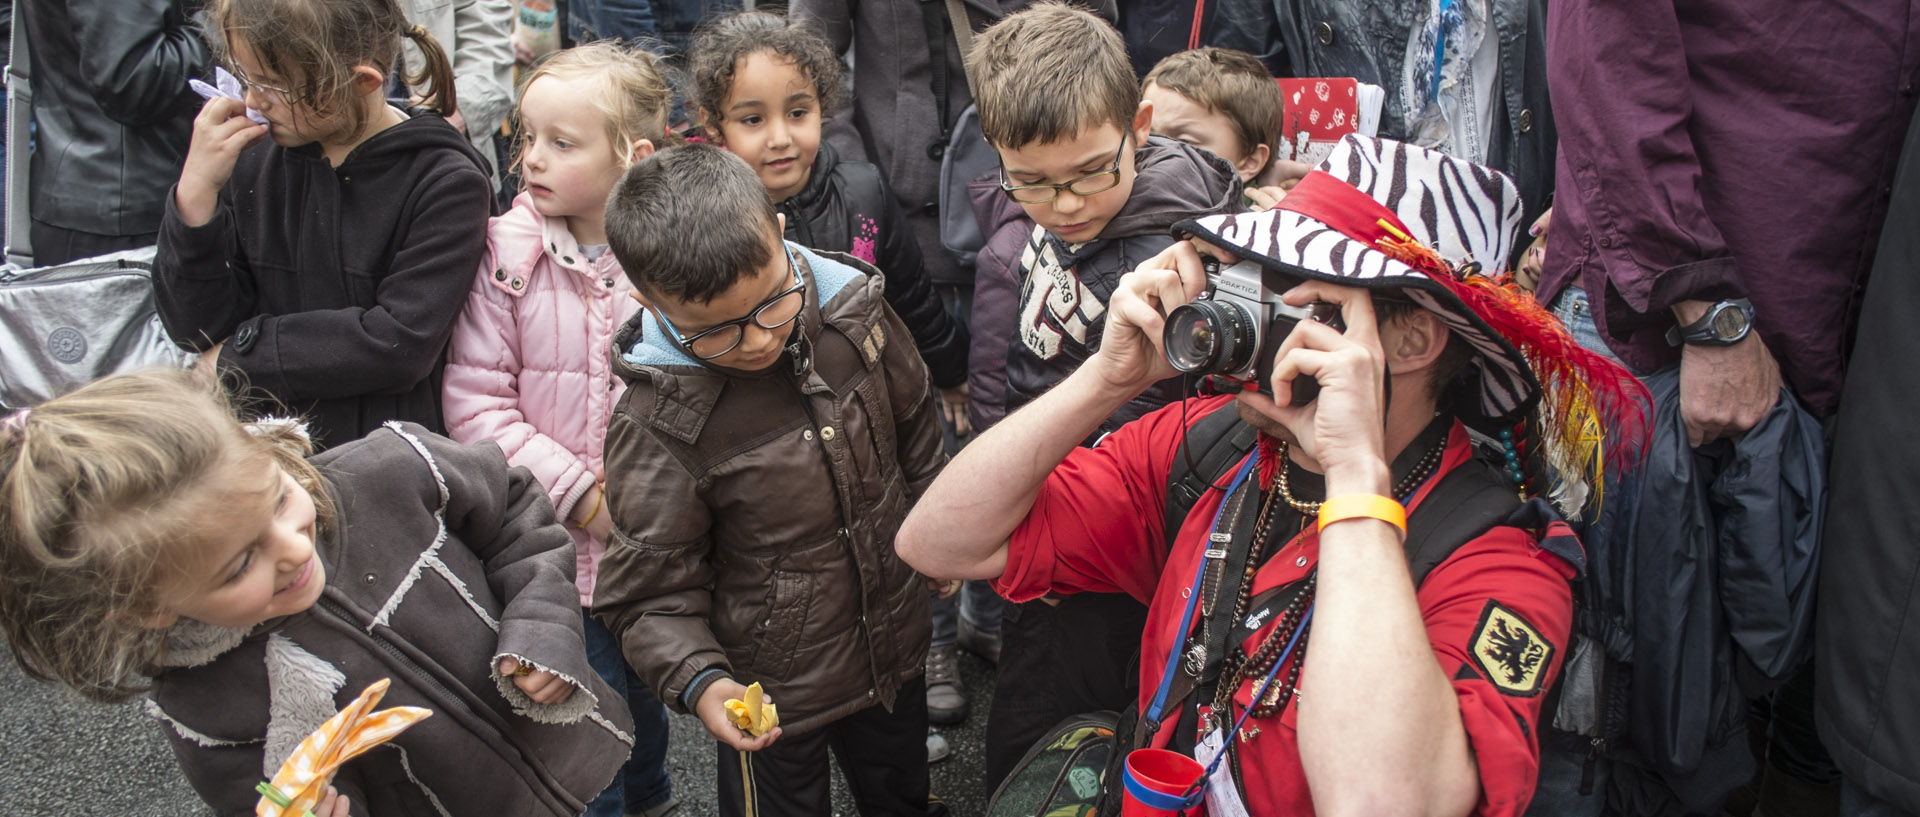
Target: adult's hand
{"points": [[1130, 358], [1724, 390], [1344, 428], [1534, 261], [712, 709]]}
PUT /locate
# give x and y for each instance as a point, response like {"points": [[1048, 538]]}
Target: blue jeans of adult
{"points": [[976, 602], [642, 783], [628, 20]]}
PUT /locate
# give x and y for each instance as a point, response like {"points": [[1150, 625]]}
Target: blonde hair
{"points": [[631, 92], [314, 46], [98, 491], [1048, 72], [1228, 82]]}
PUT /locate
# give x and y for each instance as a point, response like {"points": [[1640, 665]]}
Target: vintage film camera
{"points": [[1235, 328]]}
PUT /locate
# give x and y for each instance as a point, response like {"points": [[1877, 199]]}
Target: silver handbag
{"points": [[64, 326]]}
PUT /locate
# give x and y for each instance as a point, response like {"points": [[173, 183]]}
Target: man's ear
{"points": [[1414, 341], [1250, 164], [1142, 123]]}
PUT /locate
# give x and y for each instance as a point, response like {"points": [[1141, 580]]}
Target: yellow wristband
{"points": [[1363, 506], [599, 498]]}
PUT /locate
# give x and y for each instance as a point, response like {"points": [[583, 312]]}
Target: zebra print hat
{"points": [[1420, 223]]}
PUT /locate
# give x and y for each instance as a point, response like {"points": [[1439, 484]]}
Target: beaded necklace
{"points": [[1240, 666]]}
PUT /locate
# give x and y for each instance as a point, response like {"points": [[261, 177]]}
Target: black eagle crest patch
{"points": [[1510, 652]]}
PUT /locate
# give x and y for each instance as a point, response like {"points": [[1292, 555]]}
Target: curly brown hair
{"points": [[99, 491], [720, 45]]}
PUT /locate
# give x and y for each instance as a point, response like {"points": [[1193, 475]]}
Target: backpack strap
{"points": [[1207, 454], [1469, 501]]}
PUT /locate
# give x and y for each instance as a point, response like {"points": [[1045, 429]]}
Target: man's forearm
{"points": [[960, 527], [1382, 734]]}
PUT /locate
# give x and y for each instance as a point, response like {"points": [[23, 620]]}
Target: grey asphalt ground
{"points": [[63, 755]]}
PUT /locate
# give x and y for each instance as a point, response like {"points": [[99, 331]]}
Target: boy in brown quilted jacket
{"points": [[776, 427]]}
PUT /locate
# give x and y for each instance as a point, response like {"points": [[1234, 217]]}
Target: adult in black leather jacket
{"points": [[847, 207], [114, 117]]}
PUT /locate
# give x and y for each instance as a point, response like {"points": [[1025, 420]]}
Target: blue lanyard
{"points": [[1155, 709]]}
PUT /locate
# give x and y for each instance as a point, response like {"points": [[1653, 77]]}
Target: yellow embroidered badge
{"points": [[1510, 652]]}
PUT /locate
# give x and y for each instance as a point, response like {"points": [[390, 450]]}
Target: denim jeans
{"points": [[643, 782], [628, 20], [1573, 310], [977, 602]]}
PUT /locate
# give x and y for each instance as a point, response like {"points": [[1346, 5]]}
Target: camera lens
{"points": [[1209, 337]]}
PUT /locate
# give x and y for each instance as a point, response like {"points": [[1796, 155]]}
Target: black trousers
{"points": [[883, 755], [58, 245], [1059, 661]]}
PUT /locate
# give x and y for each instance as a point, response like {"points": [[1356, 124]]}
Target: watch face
{"points": [[1729, 323]]}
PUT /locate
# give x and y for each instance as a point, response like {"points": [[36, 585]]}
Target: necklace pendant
{"points": [[1196, 661], [1272, 698]]}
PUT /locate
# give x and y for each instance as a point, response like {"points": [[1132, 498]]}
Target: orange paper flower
{"points": [[303, 779]]}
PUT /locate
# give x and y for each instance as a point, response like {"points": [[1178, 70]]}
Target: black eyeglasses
{"points": [[1088, 185], [771, 314]]}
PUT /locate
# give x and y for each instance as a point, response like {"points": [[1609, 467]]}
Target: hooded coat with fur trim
{"points": [[441, 561]]}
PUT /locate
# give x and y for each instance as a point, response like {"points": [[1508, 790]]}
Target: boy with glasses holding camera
{"points": [[777, 424]]}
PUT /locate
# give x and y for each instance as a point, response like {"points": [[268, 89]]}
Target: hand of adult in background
{"points": [[1266, 198], [1724, 390], [220, 132], [953, 407], [1129, 357], [1284, 174], [1345, 426], [712, 709], [1527, 276]]}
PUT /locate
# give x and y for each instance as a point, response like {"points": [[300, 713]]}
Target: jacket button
{"points": [[517, 283], [369, 578], [1606, 241], [931, 208], [808, 434], [1324, 33], [826, 432], [243, 339], [500, 275], [1526, 120], [567, 258], [1300, 562], [872, 692], [845, 534], [607, 282]]}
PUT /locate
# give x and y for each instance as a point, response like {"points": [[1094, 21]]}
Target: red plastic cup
{"points": [[1158, 783]]}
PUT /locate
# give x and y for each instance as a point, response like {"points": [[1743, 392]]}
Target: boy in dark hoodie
{"points": [[1059, 102]]}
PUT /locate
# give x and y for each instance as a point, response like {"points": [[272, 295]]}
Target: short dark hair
{"points": [[1048, 72], [720, 44], [690, 222]]}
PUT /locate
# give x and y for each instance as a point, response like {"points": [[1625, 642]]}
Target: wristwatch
{"points": [[1724, 324]]}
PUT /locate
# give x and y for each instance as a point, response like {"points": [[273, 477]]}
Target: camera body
{"points": [[1235, 328]]}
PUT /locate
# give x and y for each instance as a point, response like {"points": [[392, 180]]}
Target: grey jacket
{"points": [[894, 108], [444, 561], [1367, 40]]}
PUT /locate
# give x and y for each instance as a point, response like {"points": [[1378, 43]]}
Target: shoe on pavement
{"points": [[937, 748], [983, 643], [946, 700], [673, 802]]}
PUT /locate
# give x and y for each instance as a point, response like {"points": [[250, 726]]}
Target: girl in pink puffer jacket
{"points": [[529, 367]]}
